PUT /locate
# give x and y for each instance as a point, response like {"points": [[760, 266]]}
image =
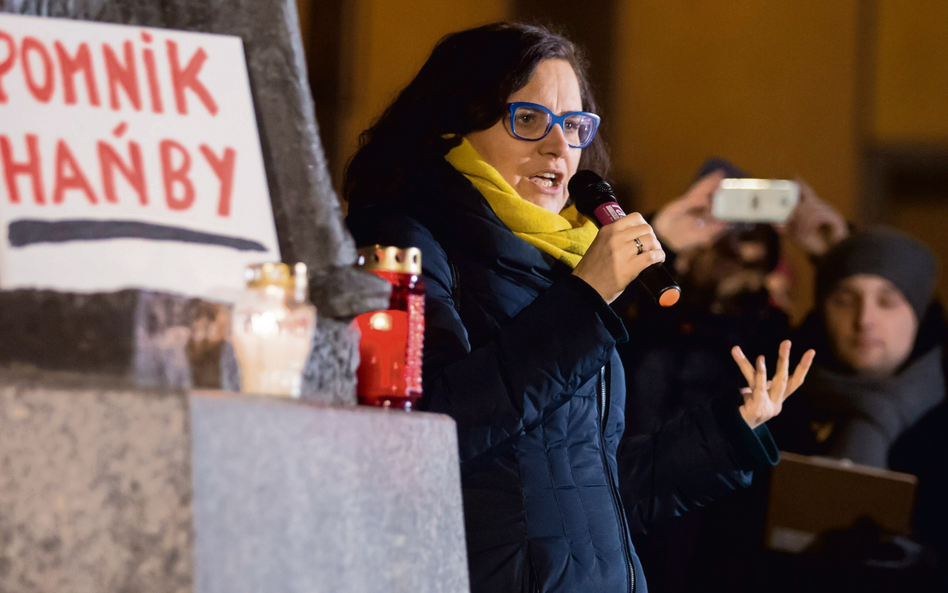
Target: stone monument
{"points": [[306, 210]]}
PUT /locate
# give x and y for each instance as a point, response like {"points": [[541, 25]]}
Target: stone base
{"points": [[330, 374], [109, 489], [95, 488], [147, 339], [305, 499]]}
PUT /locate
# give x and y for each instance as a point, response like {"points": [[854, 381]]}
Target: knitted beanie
{"points": [[884, 252]]}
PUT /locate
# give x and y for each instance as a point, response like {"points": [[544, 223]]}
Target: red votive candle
{"points": [[390, 348]]}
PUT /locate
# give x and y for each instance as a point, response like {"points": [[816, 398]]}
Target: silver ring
{"points": [[638, 244]]}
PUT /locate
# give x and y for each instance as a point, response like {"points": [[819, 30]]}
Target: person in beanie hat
{"points": [[876, 392], [878, 337], [895, 269]]}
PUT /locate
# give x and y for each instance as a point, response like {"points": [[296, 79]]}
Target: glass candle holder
{"points": [[392, 340], [273, 327]]}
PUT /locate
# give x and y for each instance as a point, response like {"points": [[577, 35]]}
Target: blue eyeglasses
{"points": [[532, 122]]}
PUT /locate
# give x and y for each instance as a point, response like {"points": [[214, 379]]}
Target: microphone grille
{"points": [[587, 184], [583, 181], [603, 188], [586, 188]]}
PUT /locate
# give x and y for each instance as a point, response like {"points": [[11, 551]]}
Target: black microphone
{"points": [[595, 200]]}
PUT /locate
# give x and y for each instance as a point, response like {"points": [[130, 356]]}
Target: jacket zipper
{"points": [[616, 500]]}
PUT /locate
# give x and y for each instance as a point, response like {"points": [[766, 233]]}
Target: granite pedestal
{"points": [[110, 489]]}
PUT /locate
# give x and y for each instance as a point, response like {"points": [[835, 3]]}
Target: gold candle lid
{"points": [[390, 259], [275, 274]]}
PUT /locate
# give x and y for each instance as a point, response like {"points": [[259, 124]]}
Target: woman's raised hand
{"points": [[764, 399], [613, 260]]}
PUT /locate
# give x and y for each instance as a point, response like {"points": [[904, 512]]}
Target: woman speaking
{"points": [[470, 163]]}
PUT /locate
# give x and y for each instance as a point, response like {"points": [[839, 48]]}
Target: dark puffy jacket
{"points": [[521, 354]]}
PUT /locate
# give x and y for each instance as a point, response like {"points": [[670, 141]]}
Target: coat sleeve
{"points": [[498, 390], [698, 457]]}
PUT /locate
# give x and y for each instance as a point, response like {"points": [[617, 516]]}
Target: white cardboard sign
{"points": [[129, 158]]}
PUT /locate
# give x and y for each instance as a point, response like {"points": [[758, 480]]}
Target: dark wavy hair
{"points": [[464, 86]]}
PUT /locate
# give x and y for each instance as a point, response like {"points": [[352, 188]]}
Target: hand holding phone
{"points": [[815, 225], [687, 223]]}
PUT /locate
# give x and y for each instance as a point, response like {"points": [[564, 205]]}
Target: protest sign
{"points": [[129, 158]]}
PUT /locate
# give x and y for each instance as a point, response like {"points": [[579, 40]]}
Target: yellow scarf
{"points": [[566, 236]]}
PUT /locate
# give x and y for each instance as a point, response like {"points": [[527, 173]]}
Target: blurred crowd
{"points": [[875, 395]]}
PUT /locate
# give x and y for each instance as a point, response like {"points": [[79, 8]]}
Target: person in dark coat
{"points": [[728, 297], [923, 452], [721, 268], [876, 392], [880, 341], [470, 164]]}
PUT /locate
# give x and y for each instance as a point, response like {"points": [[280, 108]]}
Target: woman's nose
{"points": [[555, 142]]}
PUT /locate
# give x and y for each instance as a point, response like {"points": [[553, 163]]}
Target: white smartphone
{"points": [[755, 200]]}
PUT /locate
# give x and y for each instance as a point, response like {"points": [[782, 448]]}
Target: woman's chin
{"points": [[552, 202]]}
